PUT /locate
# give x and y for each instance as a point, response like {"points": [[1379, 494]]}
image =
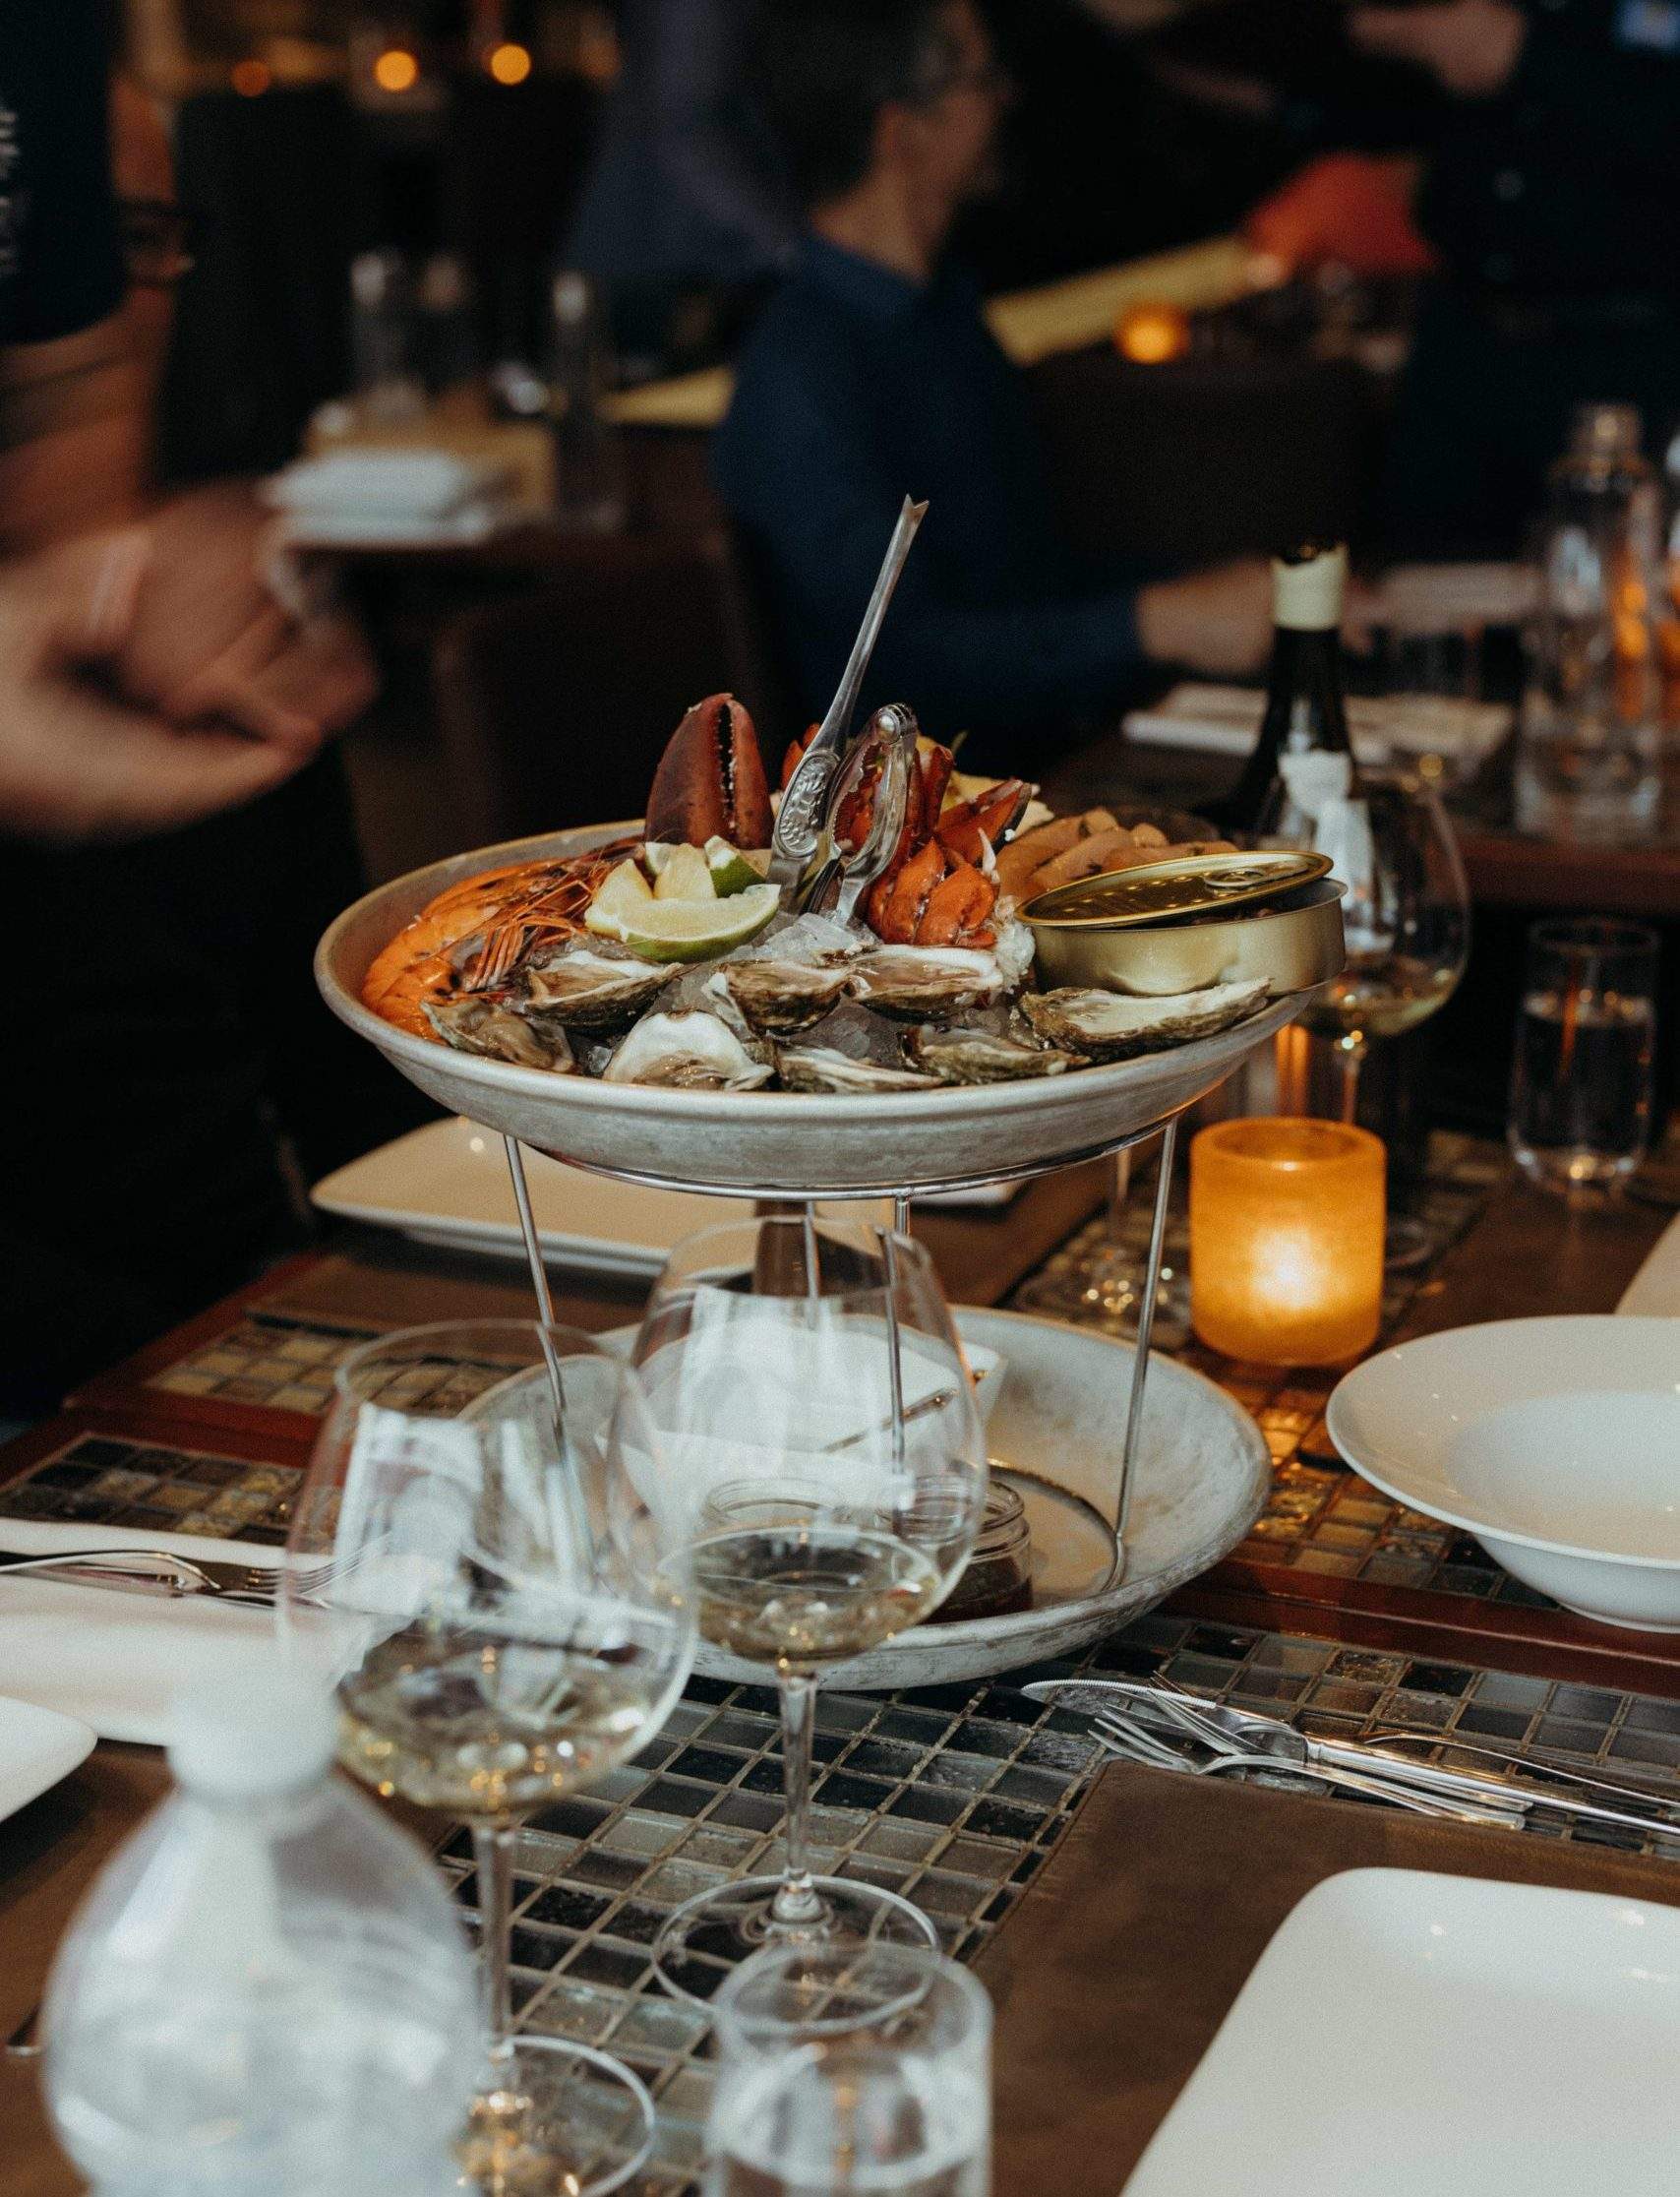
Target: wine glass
{"points": [[825, 1470], [850, 2070], [1407, 917], [504, 1625]]}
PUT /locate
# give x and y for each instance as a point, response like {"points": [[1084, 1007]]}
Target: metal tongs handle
{"points": [[799, 821]]}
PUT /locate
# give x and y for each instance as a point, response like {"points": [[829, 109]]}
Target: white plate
{"points": [[1556, 1441], [1059, 1420], [768, 1143], [1655, 1288], [37, 1747], [1407, 2035], [448, 1184]]}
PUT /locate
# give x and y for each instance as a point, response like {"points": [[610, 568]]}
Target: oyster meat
{"points": [[777, 997], [1113, 1025], [824, 1068], [690, 1052], [969, 1055], [486, 1024], [584, 989], [925, 983]]}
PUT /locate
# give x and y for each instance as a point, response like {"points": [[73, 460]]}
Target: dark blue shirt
{"points": [[858, 388]]}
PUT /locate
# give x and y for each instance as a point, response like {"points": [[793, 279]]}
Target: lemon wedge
{"points": [[685, 930]]}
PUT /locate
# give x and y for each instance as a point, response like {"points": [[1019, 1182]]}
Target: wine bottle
{"points": [[1302, 755]]}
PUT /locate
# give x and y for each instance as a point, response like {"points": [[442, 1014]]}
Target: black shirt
{"points": [[858, 388], [60, 251]]}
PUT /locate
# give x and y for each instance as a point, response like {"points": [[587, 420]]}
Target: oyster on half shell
{"points": [[485, 1024], [583, 989], [780, 998], [1113, 1026], [977, 1056], [926, 983], [690, 1052], [824, 1068]]}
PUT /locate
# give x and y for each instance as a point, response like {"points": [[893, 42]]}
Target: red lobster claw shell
{"points": [[711, 780]]}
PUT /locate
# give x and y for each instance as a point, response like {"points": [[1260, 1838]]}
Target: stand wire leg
{"points": [[1145, 1325], [900, 1213], [539, 1275]]}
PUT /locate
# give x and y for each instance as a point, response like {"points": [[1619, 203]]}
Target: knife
{"points": [[156, 1572]]}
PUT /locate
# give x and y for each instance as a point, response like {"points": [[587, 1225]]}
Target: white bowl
{"points": [[1555, 1441]]}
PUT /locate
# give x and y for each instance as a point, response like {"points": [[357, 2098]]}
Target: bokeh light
{"points": [[509, 63], [397, 70]]}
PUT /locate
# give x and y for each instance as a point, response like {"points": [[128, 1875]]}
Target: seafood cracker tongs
{"points": [[800, 822]]}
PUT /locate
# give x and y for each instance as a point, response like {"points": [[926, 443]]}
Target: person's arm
{"points": [[823, 509], [76, 761]]}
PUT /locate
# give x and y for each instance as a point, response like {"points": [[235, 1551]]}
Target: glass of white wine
{"points": [[825, 1475], [1407, 915], [504, 1625]]}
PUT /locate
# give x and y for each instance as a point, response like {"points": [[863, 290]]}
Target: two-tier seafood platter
{"points": [[643, 1001]]}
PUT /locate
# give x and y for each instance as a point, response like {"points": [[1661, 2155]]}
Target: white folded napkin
{"points": [[1655, 1288], [113, 1659], [389, 485], [1226, 721]]}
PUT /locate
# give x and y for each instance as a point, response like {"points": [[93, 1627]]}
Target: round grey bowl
{"points": [[767, 1143]]}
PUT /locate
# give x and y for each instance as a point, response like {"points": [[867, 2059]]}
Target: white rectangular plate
{"points": [[1407, 2035], [37, 1747], [446, 1183]]}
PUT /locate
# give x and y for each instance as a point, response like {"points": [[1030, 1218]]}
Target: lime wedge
{"points": [[684, 876], [732, 871], [621, 894], [688, 930]]}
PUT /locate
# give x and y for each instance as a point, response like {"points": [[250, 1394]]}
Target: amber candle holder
{"points": [[1286, 1240]]}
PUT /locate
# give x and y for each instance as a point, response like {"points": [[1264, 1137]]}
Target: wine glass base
{"points": [[713, 1932], [1408, 1242], [566, 2121]]}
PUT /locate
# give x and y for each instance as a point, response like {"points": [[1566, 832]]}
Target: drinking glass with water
{"points": [[1581, 1080], [851, 2069]]}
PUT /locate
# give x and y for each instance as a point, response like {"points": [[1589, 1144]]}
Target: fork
{"points": [[1120, 1737], [181, 1576]]}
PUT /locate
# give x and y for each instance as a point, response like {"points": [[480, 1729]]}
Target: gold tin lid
{"points": [[1191, 884]]}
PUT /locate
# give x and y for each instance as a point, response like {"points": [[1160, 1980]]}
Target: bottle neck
{"points": [[1303, 710]]}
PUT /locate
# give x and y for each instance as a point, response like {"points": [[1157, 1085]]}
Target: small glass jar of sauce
{"points": [[998, 1580]]}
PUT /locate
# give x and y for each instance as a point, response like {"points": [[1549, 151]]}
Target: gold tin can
{"points": [[1179, 925]]}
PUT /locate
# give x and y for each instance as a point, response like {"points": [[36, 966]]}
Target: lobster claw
{"points": [[710, 781]]}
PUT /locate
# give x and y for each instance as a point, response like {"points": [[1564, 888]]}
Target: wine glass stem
{"points": [[492, 1853], [797, 1905], [1351, 1059]]}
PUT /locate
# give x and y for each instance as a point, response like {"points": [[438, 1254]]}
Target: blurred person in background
{"points": [[873, 373], [151, 677], [683, 212], [1549, 198]]}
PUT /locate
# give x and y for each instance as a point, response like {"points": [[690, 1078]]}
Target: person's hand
{"points": [[212, 639], [77, 762], [1469, 47], [1217, 622]]}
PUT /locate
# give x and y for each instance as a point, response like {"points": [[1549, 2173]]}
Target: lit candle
{"points": [[1286, 1240]]}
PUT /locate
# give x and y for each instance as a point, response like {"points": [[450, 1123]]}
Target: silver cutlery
{"points": [[1240, 1730], [1120, 1736], [161, 1572]]}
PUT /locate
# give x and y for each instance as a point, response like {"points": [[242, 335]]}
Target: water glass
{"points": [[1581, 1078], [846, 2070]]}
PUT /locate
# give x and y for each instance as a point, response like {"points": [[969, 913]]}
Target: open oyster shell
{"points": [[583, 989], [694, 1052], [967, 1055], [485, 1024], [926, 983], [823, 1067], [780, 998], [1114, 1026]]}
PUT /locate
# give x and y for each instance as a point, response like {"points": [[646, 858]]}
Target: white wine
{"points": [[463, 1716], [798, 1596], [1378, 994]]}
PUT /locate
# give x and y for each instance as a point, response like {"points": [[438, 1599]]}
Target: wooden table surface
{"points": [[1528, 1254]]}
